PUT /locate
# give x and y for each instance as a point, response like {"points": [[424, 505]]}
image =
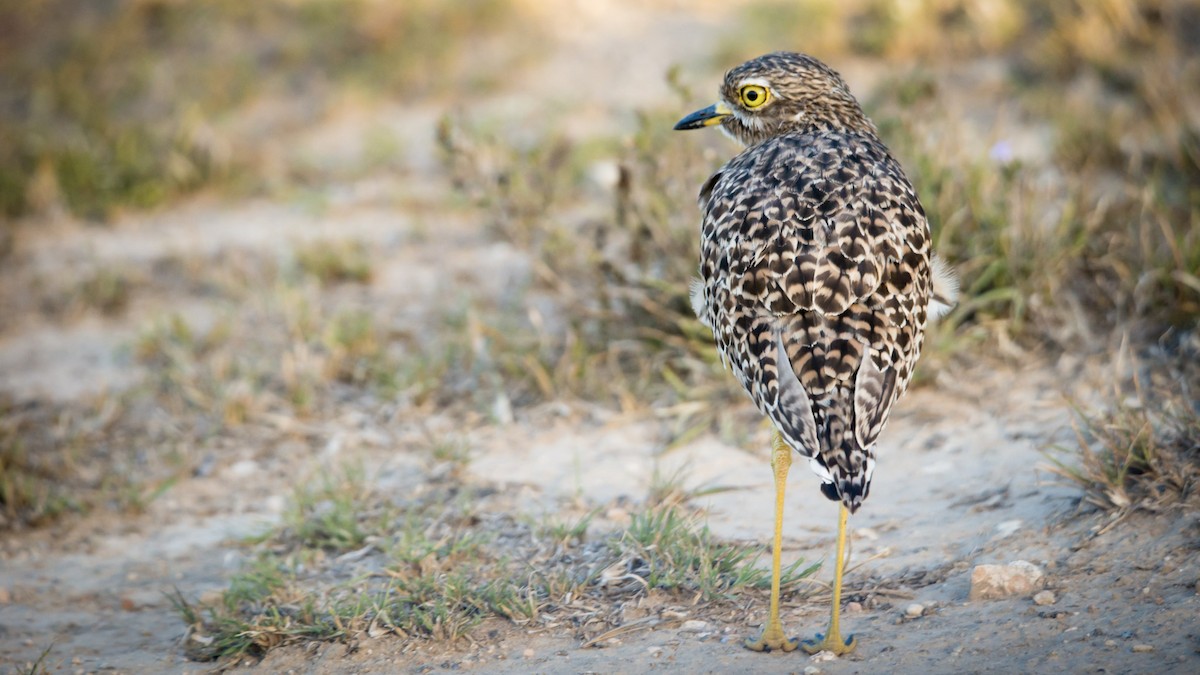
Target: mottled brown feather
{"points": [[815, 267]]}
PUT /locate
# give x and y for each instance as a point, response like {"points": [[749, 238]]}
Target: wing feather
{"points": [[816, 273]]}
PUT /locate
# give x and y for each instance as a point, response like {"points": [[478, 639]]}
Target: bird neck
{"points": [[834, 113]]}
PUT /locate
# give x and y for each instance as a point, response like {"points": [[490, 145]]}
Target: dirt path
{"points": [[959, 481]]}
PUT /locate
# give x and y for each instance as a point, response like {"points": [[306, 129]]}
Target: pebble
{"points": [[853, 607], [528, 653], [5, 595], [242, 469], [1110, 643], [990, 582], [1142, 649], [275, 504], [1044, 598], [694, 626], [914, 611], [1008, 527], [812, 670]]}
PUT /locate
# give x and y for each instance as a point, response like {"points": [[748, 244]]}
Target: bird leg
{"points": [[772, 636], [832, 641]]}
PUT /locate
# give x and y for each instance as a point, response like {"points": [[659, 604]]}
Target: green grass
{"points": [[671, 550], [325, 515], [442, 562], [568, 534]]}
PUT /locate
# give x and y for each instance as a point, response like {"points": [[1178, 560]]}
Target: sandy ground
{"points": [[960, 482]]}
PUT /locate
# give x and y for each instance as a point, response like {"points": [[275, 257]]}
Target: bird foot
{"points": [[772, 638], [831, 643]]}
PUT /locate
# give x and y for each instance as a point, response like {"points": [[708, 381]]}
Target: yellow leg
{"points": [[772, 636], [832, 641]]}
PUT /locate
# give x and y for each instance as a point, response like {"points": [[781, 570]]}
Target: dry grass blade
{"points": [[1144, 453]]}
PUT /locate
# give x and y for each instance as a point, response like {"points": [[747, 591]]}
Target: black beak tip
{"points": [[700, 119]]}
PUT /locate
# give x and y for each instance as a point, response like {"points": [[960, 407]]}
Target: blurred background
{"points": [[235, 230]]}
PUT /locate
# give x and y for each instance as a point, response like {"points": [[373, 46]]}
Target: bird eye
{"points": [[753, 95]]}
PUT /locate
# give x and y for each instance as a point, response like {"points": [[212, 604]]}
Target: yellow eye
{"points": [[754, 96]]}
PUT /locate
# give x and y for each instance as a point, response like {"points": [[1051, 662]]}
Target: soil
{"points": [[961, 478]]}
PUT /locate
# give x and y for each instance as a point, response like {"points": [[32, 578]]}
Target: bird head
{"points": [[778, 93]]}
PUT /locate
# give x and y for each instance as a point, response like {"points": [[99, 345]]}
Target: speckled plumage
{"points": [[814, 246]]}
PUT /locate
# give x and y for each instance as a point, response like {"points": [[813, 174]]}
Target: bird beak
{"points": [[713, 114]]}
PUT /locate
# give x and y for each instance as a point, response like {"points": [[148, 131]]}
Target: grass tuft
{"points": [[667, 548], [1143, 454], [326, 516], [441, 563]]}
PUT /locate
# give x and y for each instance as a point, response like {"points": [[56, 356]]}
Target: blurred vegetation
{"points": [[111, 105], [613, 249]]}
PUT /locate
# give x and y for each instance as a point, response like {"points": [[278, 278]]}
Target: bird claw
{"points": [[831, 643], [772, 638]]}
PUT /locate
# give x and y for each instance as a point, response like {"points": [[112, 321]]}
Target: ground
{"points": [[963, 478]]}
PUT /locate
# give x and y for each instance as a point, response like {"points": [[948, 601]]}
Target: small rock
{"points": [[528, 653], [991, 582], [1142, 649], [694, 626], [275, 504], [812, 670], [5, 595], [655, 652], [853, 607], [242, 469], [1110, 643], [914, 611], [1008, 527], [1044, 598]]}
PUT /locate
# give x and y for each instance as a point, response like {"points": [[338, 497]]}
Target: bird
{"points": [[817, 280]]}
